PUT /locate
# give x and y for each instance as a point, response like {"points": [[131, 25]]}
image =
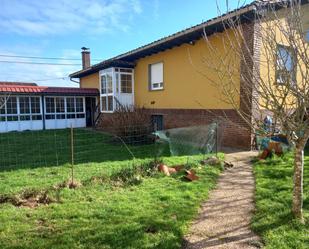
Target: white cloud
{"points": [[34, 17], [49, 75], [45, 19]]}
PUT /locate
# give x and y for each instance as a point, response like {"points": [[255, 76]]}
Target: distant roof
{"points": [[17, 83], [45, 90]]}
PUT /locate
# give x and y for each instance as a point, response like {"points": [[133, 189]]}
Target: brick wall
{"points": [[232, 129]]}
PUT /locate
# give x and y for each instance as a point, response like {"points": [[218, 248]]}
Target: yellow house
{"points": [[170, 79]]}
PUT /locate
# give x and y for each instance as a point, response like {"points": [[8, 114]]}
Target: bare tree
{"points": [[3, 100], [266, 62]]}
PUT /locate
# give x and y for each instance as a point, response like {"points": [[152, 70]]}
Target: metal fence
{"points": [[36, 160], [33, 149]]}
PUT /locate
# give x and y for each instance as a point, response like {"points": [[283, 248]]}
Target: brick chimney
{"points": [[85, 57]]}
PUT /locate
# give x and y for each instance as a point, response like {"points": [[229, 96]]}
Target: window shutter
{"points": [[157, 73]]}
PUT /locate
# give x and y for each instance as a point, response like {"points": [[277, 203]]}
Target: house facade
{"points": [[170, 79], [26, 106]]}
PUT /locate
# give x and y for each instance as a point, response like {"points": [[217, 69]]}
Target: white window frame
{"points": [[151, 83], [116, 73], [19, 114], [110, 72], [279, 71], [66, 113], [119, 83]]}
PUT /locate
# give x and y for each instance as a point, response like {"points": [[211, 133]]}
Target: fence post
{"points": [[72, 155]]}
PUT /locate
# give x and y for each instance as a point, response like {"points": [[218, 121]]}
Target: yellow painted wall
{"points": [[185, 83], [90, 81], [268, 57], [187, 77]]}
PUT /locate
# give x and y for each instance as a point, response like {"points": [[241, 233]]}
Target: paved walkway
{"points": [[224, 220]]}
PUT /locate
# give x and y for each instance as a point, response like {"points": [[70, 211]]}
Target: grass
{"points": [[273, 219], [153, 212], [43, 158]]}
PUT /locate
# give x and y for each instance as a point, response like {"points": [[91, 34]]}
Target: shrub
{"points": [[132, 125]]}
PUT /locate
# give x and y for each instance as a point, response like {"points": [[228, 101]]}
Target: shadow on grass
{"points": [[153, 214], [274, 187]]}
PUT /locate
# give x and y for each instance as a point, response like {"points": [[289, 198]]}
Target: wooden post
{"points": [[72, 155]]}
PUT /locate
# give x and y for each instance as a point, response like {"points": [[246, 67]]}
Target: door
{"points": [[90, 110]]}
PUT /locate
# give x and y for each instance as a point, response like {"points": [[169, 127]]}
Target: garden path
{"points": [[224, 219]]}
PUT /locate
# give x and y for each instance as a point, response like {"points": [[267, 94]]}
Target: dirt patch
{"points": [[28, 198], [68, 184]]}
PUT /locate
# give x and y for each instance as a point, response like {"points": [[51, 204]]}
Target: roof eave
{"points": [[170, 41]]}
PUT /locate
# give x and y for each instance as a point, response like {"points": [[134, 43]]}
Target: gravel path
{"points": [[224, 220]]}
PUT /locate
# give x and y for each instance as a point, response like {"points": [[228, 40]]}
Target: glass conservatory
{"points": [[116, 88]]}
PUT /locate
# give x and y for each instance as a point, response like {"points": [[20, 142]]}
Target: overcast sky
{"points": [[59, 28]]}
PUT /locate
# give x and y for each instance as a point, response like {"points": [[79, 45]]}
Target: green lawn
{"points": [[273, 219], [152, 211]]}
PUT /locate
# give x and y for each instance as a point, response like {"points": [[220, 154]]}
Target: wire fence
{"points": [[35, 159], [53, 148], [31, 149]]}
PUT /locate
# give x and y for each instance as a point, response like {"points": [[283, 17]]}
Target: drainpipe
{"points": [[71, 79]]}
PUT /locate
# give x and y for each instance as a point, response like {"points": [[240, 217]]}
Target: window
{"points": [[60, 105], [21, 108], [107, 103], [156, 76], [11, 105], [24, 108], [35, 105], [50, 105], [126, 70], [106, 84], [2, 108], [110, 103], [104, 104], [64, 107], [24, 105], [70, 105], [126, 83], [117, 82], [116, 85], [2, 104], [79, 105], [307, 36], [285, 65]]}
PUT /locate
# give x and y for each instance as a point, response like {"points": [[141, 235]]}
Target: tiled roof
{"points": [[22, 89]]}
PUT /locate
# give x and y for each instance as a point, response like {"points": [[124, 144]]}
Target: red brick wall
{"points": [[233, 131]]}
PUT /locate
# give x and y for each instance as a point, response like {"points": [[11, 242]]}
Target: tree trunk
{"points": [[298, 176], [298, 183]]}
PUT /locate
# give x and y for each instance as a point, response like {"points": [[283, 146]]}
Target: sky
{"points": [[59, 28]]}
